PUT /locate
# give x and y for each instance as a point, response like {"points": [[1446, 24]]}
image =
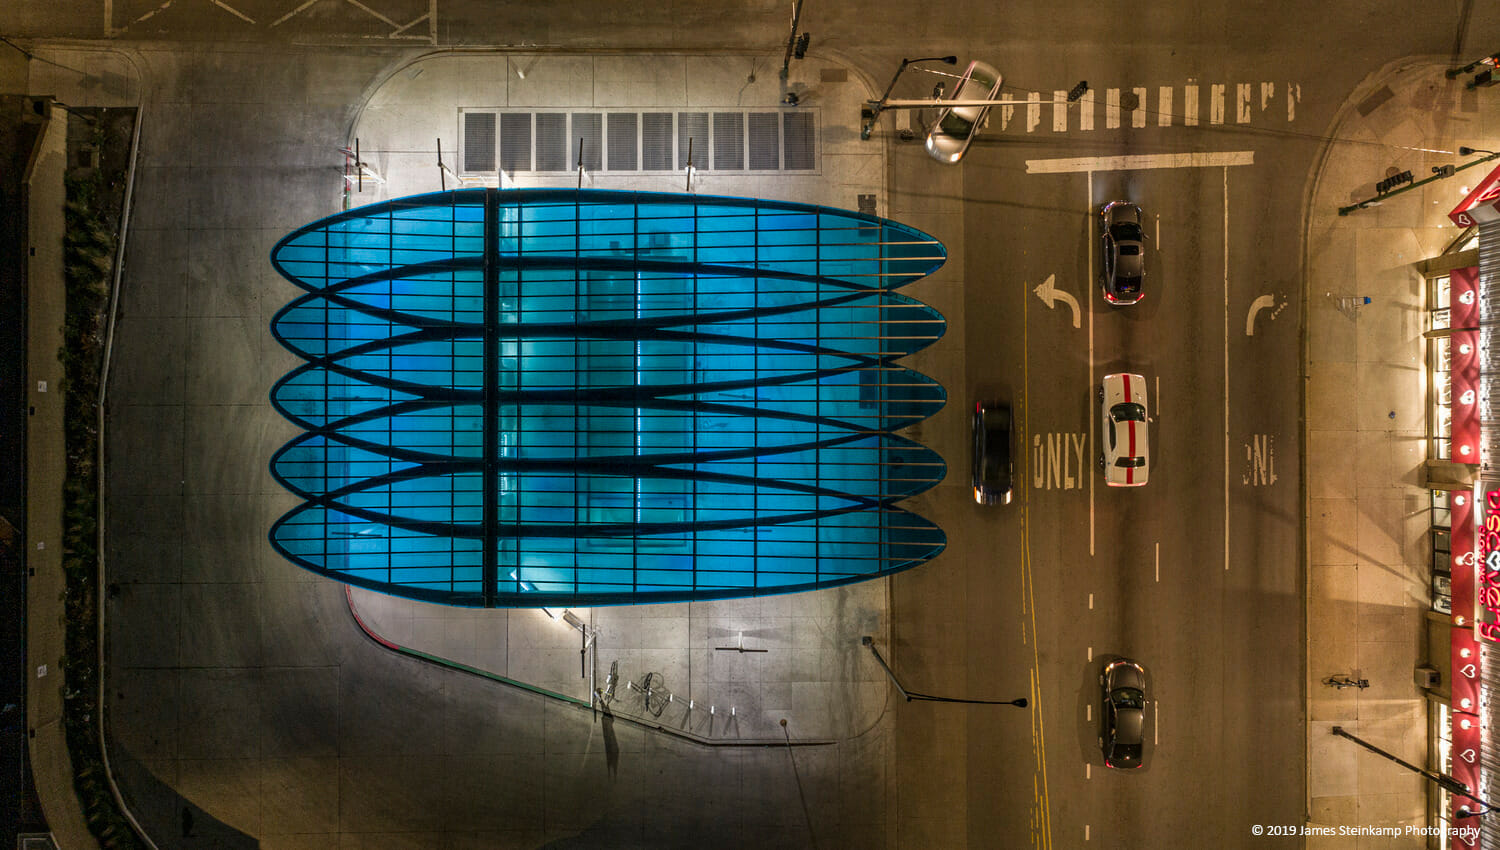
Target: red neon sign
{"points": [[1487, 617], [1488, 190]]}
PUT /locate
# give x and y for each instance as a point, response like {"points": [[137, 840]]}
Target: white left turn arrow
{"points": [[1050, 295]]}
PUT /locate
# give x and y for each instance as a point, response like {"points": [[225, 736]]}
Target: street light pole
{"points": [[1439, 173], [864, 132], [1444, 781], [791, 40], [913, 695]]}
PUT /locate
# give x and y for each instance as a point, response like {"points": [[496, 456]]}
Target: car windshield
{"points": [[1128, 411], [1128, 698], [1128, 250], [956, 125], [1131, 462], [1127, 232]]}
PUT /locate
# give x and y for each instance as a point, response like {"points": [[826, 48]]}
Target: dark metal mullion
{"points": [[490, 478], [580, 366], [635, 415], [755, 364], [697, 341], [817, 406]]}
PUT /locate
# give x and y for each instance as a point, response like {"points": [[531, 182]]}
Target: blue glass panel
{"points": [[636, 397]]}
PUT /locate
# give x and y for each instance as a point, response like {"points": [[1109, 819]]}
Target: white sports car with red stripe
{"points": [[1125, 447]]}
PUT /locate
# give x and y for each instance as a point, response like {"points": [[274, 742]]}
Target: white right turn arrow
{"points": [[1265, 302], [1050, 294]]}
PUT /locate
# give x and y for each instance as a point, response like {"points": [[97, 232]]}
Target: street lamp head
{"points": [[946, 60], [1465, 150]]}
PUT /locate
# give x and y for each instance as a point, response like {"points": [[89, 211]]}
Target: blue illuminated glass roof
{"points": [[551, 397]]}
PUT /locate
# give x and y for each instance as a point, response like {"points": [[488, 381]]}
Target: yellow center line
{"points": [[1028, 597]]}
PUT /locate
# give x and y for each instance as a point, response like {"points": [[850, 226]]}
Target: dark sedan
{"points": [[1124, 722], [1124, 253], [992, 457]]}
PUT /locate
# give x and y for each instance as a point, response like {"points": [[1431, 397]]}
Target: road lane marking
{"points": [[1092, 417], [1090, 716], [1118, 101], [1138, 162], [1264, 302], [1091, 653], [1039, 732], [1157, 240], [1088, 770], [1158, 562], [1049, 293], [1085, 832], [1226, 369], [1156, 721], [1091, 601]]}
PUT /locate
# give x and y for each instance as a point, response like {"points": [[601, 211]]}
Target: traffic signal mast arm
{"points": [[1441, 172]]}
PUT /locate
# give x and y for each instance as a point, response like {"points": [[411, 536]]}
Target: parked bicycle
{"points": [[1342, 682]]}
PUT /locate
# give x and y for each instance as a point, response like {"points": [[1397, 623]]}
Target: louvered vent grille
{"points": [[515, 141], [630, 141], [479, 141]]}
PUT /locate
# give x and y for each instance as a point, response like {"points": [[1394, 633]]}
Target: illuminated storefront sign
{"points": [[1479, 206], [1487, 612]]}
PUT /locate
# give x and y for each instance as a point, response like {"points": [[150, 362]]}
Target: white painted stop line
{"points": [[1140, 162]]}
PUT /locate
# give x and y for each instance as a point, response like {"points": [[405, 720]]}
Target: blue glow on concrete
{"points": [[550, 397]]}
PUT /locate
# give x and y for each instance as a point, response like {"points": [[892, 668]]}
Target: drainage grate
{"points": [[631, 141]]}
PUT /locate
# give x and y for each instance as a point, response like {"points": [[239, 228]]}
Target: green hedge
{"points": [[88, 253]]}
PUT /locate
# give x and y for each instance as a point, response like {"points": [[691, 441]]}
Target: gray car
{"points": [[956, 126], [1124, 253], [1123, 733]]}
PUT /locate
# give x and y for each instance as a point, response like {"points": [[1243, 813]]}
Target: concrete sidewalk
{"points": [[1366, 412], [801, 658]]}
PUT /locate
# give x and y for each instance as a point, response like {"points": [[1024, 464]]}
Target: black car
{"points": [[992, 456], [1124, 720], [1124, 252]]}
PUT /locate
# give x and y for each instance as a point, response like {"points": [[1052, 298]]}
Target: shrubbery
{"points": [[88, 254]]}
